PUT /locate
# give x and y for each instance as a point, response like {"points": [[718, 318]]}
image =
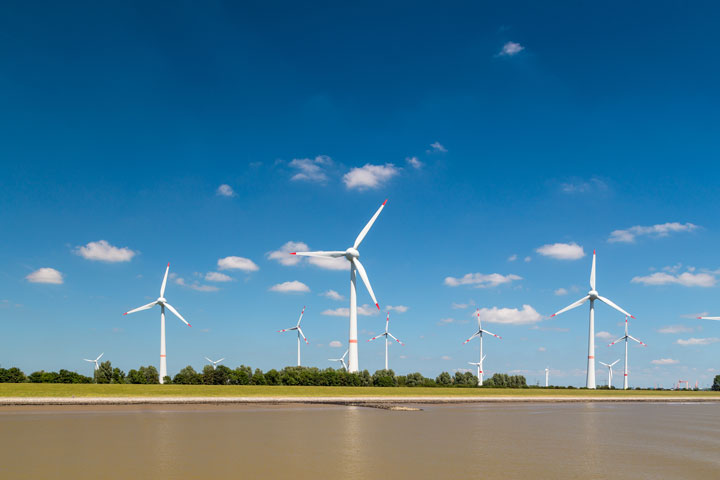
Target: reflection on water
{"points": [[560, 441]]}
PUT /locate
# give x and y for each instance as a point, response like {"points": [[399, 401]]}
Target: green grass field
{"points": [[90, 390]]}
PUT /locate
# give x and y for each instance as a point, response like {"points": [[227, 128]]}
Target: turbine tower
{"points": [[610, 375], [97, 367], [299, 333], [214, 363], [353, 256], [479, 369], [592, 296], [626, 337], [341, 360], [386, 335], [163, 305], [479, 333], [547, 376]]}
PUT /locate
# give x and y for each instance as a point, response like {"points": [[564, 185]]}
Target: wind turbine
{"points": [[386, 335], [299, 330], [626, 337], [163, 305], [479, 370], [97, 367], [592, 296], [610, 375], [479, 333], [547, 376], [341, 360], [353, 256], [214, 364]]}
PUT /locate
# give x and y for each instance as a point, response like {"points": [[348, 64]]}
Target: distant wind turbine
{"points": [[479, 333], [214, 363], [353, 256], [299, 333], [592, 296], [547, 376], [386, 334], [610, 373], [341, 360], [97, 367], [479, 369], [163, 305], [626, 337]]}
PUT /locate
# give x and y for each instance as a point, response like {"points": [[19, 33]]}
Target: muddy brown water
{"points": [[553, 441]]}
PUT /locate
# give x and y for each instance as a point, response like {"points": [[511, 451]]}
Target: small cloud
{"points": [[403, 357], [481, 280], [225, 190], [446, 357], [290, 287], [562, 251], [333, 295], [369, 176], [237, 263], [542, 349], [311, 170], [509, 316], [195, 285], [697, 341], [664, 361], [437, 147], [117, 330], [217, 277], [676, 329], [45, 275], [660, 230], [461, 306], [104, 252], [512, 258], [580, 186], [528, 259], [561, 291], [398, 308], [364, 310], [446, 321], [335, 344], [414, 162], [510, 49], [283, 256], [604, 335], [686, 279]]}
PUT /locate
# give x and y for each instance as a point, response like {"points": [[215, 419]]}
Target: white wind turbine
{"points": [[214, 363], [610, 374], [626, 337], [479, 369], [163, 305], [299, 333], [592, 296], [386, 334], [341, 360], [353, 256], [97, 367], [479, 333], [547, 376]]}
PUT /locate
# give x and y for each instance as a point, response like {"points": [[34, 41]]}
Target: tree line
{"points": [[244, 375]]}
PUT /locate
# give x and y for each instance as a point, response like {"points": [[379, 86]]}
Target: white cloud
{"points": [[562, 251], [397, 308], [237, 263], [686, 279], [335, 344], [196, 285], [510, 316], [542, 349], [45, 275], [446, 357], [446, 321], [660, 230], [676, 329], [604, 335], [290, 287], [512, 258], [414, 162], [459, 306], [580, 186], [225, 190], [664, 361], [528, 259], [697, 341], [438, 147], [481, 280], [283, 256], [217, 277], [104, 252], [511, 49], [311, 170], [561, 291], [369, 176], [365, 310], [333, 295]]}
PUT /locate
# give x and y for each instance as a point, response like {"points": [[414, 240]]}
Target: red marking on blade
{"points": [[293, 253], [168, 264], [125, 313], [699, 318], [633, 317], [352, 341], [189, 325], [625, 375], [553, 315], [377, 306], [385, 201], [593, 251]]}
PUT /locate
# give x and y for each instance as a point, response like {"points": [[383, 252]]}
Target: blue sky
{"points": [[493, 130]]}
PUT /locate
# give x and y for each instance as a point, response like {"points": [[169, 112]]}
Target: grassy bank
{"points": [[85, 390]]}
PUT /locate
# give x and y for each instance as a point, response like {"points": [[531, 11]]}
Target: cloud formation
{"points": [[676, 329], [196, 285], [414, 162], [335, 344], [510, 316], [481, 280], [664, 361], [225, 190], [290, 287], [104, 252], [311, 170], [365, 310], [687, 279], [561, 291], [45, 275], [661, 230], [217, 277], [437, 147], [332, 295], [604, 335], [237, 263], [397, 308], [562, 251], [369, 176], [510, 49], [697, 341]]}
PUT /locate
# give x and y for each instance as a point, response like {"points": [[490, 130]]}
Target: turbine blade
{"points": [[708, 318], [638, 341], [98, 358], [206, 358], [287, 329], [490, 333], [144, 307], [365, 230], [483, 358], [378, 336], [365, 280], [301, 315], [603, 363], [92, 361], [302, 335], [613, 363], [616, 341], [474, 335], [162, 288], [387, 322], [220, 360], [609, 302], [592, 273], [344, 354], [401, 343], [326, 254], [175, 312], [571, 306]]}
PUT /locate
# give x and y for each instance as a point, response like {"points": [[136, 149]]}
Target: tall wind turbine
{"points": [[479, 370], [479, 333], [341, 360], [97, 367], [626, 337], [592, 296], [299, 333], [353, 256], [547, 376], [610, 375], [214, 363], [163, 305], [386, 335]]}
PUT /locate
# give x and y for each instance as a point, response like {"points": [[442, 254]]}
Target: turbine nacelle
{"points": [[351, 253], [593, 294], [161, 300]]}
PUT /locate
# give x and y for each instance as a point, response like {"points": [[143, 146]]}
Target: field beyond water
{"points": [[133, 390]]}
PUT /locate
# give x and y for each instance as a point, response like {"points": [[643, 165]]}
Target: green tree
{"points": [[187, 376], [716, 383], [151, 374], [104, 373], [272, 377], [258, 378], [384, 378], [118, 376], [12, 375], [444, 379]]}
